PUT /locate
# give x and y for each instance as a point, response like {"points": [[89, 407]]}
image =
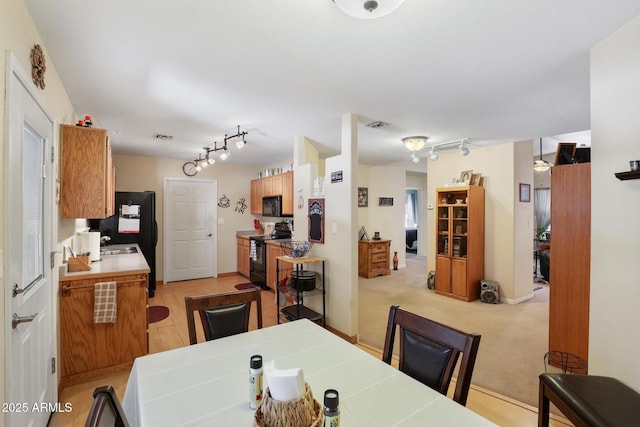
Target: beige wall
{"points": [[18, 35], [502, 168], [614, 337], [339, 249], [137, 173]]}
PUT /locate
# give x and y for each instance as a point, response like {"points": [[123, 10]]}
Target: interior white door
{"points": [[190, 239], [31, 385]]}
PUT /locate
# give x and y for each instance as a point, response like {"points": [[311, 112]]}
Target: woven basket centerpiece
{"points": [[297, 248], [303, 412]]}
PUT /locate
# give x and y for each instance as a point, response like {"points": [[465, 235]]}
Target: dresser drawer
{"points": [[379, 266], [383, 256], [379, 247]]}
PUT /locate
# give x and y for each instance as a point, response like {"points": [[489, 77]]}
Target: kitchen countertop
{"points": [[112, 265]]}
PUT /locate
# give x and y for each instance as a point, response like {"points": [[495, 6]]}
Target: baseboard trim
{"points": [[350, 339], [517, 300]]}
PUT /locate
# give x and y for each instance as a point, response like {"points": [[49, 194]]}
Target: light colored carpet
{"points": [[514, 336]]}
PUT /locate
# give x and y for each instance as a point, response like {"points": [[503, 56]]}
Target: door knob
{"points": [[16, 320], [210, 234]]}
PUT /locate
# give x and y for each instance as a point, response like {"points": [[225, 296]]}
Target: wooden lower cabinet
{"points": [[87, 349], [443, 275], [274, 250], [459, 277], [243, 256], [373, 258]]}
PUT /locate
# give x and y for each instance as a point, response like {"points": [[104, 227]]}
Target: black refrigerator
{"points": [[135, 222]]}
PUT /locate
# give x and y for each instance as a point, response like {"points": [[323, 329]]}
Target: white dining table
{"points": [[207, 384]]}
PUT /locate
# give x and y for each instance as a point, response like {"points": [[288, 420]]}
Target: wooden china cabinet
{"points": [[460, 242]]}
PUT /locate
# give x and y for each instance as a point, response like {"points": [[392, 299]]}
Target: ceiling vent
{"points": [[163, 137], [378, 124]]}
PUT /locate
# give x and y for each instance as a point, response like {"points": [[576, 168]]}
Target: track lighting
{"points": [[207, 160], [417, 143], [414, 144], [463, 150]]}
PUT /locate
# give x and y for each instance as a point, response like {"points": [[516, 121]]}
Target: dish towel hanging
{"points": [[105, 306], [252, 251]]}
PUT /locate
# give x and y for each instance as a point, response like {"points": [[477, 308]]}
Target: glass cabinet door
{"points": [[459, 222], [443, 230]]}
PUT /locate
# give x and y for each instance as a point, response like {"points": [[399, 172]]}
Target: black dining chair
{"points": [[222, 314], [430, 350], [106, 409]]}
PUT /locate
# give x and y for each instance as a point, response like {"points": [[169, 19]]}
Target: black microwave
{"points": [[272, 206]]}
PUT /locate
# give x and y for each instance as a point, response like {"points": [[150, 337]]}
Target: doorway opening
{"points": [[411, 220]]}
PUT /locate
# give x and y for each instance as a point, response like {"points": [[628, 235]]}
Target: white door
{"points": [[30, 325], [189, 229]]}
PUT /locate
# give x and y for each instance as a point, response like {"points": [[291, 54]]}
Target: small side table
{"points": [[299, 310]]}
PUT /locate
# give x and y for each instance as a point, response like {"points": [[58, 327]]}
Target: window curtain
{"points": [[542, 208], [411, 208]]}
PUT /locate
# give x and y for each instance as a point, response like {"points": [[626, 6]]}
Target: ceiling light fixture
{"points": [[433, 155], [368, 9], [414, 144], [208, 160], [541, 165]]}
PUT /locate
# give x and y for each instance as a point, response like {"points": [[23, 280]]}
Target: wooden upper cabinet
{"points": [[287, 193], [276, 185], [257, 193], [86, 173]]}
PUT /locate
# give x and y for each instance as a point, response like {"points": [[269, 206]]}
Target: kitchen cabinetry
{"points": [[274, 250], [276, 185], [243, 256], [90, 349], [373, 258], [570, 254], [460, 242], [287, 193], [298, 310], [257, 193], [87, 178]]}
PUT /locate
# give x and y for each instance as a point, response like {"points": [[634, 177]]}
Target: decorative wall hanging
{"points": [[224, 201], [525, 192], [300, 200], [316, 220], [38, 66], [363, 197], [336, 177], [385, 201], [241, 206]]}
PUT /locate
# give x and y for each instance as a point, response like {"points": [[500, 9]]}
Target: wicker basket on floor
{"points": [[303, 412]]}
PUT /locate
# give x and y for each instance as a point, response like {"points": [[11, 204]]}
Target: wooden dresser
{"points": [[373, 258]]}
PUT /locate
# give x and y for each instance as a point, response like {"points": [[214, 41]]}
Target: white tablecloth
{"points": [[207, 384]]}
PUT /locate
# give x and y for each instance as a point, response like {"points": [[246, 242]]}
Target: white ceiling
{"points": [[492, 71]]}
